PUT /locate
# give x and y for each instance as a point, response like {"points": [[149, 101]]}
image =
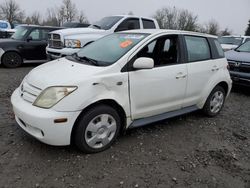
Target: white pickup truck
{"points": [[66, 42]]}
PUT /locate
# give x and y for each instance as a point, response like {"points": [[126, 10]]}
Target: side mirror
{"points": [[143, 63], [29, 38]]}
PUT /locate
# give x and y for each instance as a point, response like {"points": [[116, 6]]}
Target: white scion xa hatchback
{"points": [[124, 80]]}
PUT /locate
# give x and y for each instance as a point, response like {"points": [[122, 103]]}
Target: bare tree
{"points": [[36, 18], [247, 33], [11, 11], [212, 27], [225, 32], [52, 18], [173, 18], [69, 9], [82, 18]]}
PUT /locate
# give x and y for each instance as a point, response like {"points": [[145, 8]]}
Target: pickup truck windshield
{"points": [[244, 47], [109, 49], [20, 33], [106, 23], [230, 40]]}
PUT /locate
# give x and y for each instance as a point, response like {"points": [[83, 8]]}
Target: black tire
{"points": [[81, 134], [208, 108], [12, 60]]}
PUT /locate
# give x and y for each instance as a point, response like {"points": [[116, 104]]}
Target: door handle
{"points": [[215, 68], [180, 75]]}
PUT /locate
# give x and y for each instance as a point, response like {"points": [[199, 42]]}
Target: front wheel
{"points": [[215, 102], [97, 129]]}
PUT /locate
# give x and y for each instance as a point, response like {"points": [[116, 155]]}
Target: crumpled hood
{"points": [[76, 31], [237, 56], [61, 72]]}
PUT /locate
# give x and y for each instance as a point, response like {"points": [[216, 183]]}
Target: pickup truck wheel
{"points": [[11, 60], [97, 129], [215, 102]]}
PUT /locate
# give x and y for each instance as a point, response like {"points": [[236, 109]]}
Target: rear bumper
{"points": [[58, 53], [240, 78], [39, 122]]}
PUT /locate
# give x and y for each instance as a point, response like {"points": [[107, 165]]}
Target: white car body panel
{"points": [[141, 94]]}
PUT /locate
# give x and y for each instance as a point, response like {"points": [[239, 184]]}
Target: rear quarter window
{"points": [[148, 24], [219, 49], [197, 48]]}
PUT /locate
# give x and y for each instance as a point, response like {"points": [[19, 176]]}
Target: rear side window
{"points": [[129, 24], [197, 48], [148, 24]]}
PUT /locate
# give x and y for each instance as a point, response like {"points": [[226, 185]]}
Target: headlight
{"points": [[71, 43], [52, 95]]}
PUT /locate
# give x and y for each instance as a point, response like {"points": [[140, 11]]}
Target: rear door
{"points": [[201, 67], [161, 89]]}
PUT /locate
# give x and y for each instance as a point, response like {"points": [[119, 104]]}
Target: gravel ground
{"points": [[188, 151]]}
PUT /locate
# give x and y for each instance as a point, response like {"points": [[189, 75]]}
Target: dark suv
{"points": [[26, 45]]}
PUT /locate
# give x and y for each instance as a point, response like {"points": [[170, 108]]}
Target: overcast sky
{"points": [[233, 14]]}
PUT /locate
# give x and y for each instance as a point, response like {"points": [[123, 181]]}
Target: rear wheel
{"points": [[11, 60], [215, 102], [97, 129]]}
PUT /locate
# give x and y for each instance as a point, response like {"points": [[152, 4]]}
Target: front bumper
{"points": [[58, 53], [40, 124], [240, 78]]}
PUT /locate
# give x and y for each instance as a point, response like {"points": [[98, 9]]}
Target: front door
{"points": [[161, 89], [34, 47]]}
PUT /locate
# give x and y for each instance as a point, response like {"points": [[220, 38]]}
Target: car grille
{"points": [[54, 41], [239, 66], [29, 92]]}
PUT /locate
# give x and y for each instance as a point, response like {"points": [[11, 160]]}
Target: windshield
{"points": [[244, 47], [231, 40], [106, 23], [3, 25], [109, 49], [20, 33]]}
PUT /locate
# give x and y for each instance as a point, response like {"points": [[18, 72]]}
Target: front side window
{"points": [[197, 48], [129, 24], [109, 49], [20, 33], [35, 34], [148, 24], [106, 23], [164, 51], [244, 47]]}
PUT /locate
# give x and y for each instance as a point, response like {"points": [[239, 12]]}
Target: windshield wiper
{"points": [[85, 59], [97, 26]]}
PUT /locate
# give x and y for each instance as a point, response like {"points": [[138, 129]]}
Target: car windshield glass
{"points": [[3, 25], [106, 23], [109, 49], [20, 33], [244, 47], [231, 40]]}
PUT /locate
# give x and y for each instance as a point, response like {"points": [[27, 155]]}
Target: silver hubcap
{"points": [[100, 131], [216, 102]]}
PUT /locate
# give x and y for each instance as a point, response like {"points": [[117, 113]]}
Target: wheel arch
{"points": [[223, 84], [12, 50], [109, 102]]}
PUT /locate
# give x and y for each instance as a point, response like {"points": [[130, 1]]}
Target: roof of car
{"points": [[237, 36], [134, 16], [39, 26], [169, 31]]}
